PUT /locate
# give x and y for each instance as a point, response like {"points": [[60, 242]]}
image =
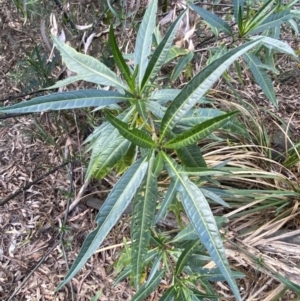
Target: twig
{"points": [[61, 239], [11, 196], [33, 270]]}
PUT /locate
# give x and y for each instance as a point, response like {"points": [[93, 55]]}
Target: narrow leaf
{"points": [[198, 86], [144, 40], [272, 21], [160, 54], [212, 19], [89, 68], [201, 171], [146, 289], [116, 202], [278, 45], [182, 63], [164, 94], [189, 233], [104, 138], [261, 15], [198, 132], [183, 258], [112, 154], [127, 159], [158, 164], [214, 197], [202, 219], [142, 218], [119, 60], [141, 108], [238, 6], [191, 156], [134, 135], [261, 77], [66, 100]]}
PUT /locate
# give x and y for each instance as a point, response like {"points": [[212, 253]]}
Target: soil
{"points": [[30, 222]]}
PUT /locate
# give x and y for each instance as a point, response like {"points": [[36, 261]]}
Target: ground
{"points": [[30, 221]]}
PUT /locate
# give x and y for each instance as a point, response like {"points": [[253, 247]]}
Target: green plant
{"points": [[36, 70], [267, 20], [153, 135]]}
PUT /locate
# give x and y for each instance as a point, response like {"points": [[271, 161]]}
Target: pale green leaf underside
{"points": [[202, 219], [88, 67], [278, 45], [112, 154], [164, 94], [104, 138], [116, 202], [66, 100], [201, 171], [198, 86]]}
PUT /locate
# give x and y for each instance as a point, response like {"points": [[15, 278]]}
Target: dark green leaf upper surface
{"points": [[134, 135], [198, 132]]}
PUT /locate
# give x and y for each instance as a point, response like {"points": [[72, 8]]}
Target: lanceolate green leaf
{"points": [[259, 17], [261, 77], [155, 108], [89, 68], [214, 197], [104, 140], [191, 156], [158, 164], [112, 154], [238, 10], [151, 254], [146, 289], [134, 135], [198, 86], [116, 202], [201, 171], [272, 21], [66, 100], [164, 94], [202, 219], [170, 195], [144, 205], [198, 132], [160, 54], [278, 45], [141, 108], [212, 19], [189, 233], [144, 40], [182, 260], [127, 160], [182, 63], [119, 60]]}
